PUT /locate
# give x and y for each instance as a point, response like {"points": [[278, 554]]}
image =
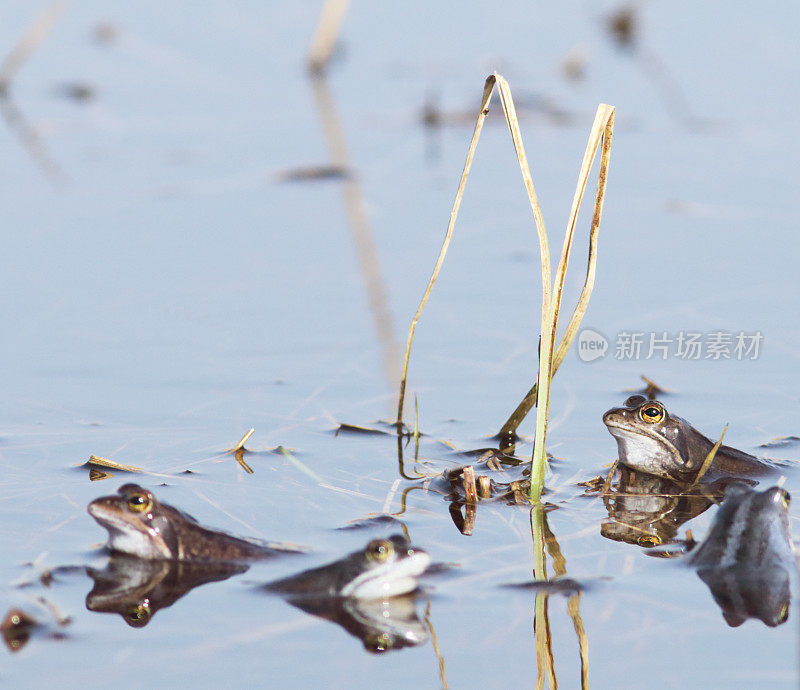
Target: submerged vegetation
{"points": [[550, 358]]}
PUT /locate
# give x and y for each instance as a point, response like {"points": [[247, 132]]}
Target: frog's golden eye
{"points": [[138, 615], [784, 614], [139, 502], [378, 642], [784, 498], [652, 412], [380, 550], [649, 540]]}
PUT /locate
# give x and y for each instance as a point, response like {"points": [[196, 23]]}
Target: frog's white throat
{"points": [[130, 535]]}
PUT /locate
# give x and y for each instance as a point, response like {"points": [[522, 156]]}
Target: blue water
{"points": [[165, 292]]}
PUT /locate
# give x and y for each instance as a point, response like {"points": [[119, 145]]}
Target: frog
{"points": [[654, 441], [140, 525], [747, 559], [383, 568]]}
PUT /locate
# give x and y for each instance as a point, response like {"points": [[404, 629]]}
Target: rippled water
{"points": [[165, 291]]}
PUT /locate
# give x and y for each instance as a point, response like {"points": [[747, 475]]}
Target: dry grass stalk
{"points": [[709, 458], [603, 127], [242, 441], [602, 131], [484, 486], [544, 539], [543, 641], [468, 481], [239, 455], [483, 112], [610, 478], [105, 462], [465, 525], [29, 41], [330, 21], [574, 611]]}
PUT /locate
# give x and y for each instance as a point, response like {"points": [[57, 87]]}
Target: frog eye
{"points": [[378, 642], [784, 614], [139, 502], [782, 496], [380, 550], [652, 412], [138, 615], [649, 540]]}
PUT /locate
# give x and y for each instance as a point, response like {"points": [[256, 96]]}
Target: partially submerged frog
{"points": [[138, 524], [654, 441], [747, 558], [384, 568], [367, 592]]}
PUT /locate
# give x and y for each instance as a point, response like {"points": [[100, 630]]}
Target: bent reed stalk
{"points": [[602, 130]]}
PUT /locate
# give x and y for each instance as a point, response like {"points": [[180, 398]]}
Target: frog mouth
{"points": [[389, 579], [637, 446], [128, 535]]}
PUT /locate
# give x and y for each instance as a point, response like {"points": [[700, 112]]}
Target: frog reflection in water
{"points": [[654, 441], [140, 525], [137, 588], [647, 510], [366, 592], [747, 558]]}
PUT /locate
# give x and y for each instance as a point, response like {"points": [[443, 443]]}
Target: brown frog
{"points": [[652, 440], [139, 525]]}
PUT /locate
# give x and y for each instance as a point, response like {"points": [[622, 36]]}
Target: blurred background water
{"points": [[166, 288]]}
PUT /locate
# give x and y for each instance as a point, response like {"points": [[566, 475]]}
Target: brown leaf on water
{"points": [[96, 461], [356, 429]]}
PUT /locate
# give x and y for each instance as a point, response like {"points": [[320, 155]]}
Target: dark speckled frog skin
{"points": [[139, 525], [747, 558], [652, 440]]}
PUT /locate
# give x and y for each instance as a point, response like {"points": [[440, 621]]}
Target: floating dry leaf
{"points": [[97, 461]]}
